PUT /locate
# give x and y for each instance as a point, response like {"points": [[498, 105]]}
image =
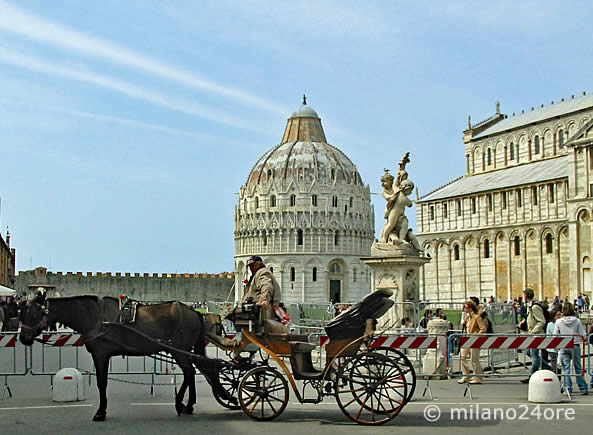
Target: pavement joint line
{"points": [[16, 408]]}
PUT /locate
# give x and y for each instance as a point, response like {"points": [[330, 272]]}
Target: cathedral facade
{"points": [[305, 210], [521, 215]]}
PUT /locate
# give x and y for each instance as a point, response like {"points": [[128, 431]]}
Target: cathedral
{"points": [[306, 211], [521, 215]]}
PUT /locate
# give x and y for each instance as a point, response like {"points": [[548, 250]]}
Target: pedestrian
{"points": [[2, 304], [427, 317], [11, 316], [553, 353], [535, 323], [475, 325], [569, 324]]}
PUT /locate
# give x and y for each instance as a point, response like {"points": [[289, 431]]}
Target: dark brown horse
{"points": [[172, 327]]}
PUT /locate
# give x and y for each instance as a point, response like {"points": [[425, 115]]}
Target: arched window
{"points": [[549, 245], [292, 200], [271, 269], [459, 210], [490, 202], [334, 201], [336, 239], [536, 145], [292, 274], [265, 239], [561, 138], [512, 151], [300, 237], [473, 204], [456, 252], [314, 274], [333, 174], [351, 200], [335, 268], [445, 214], [489, 156], [486, 248], [551, 192], [519, 198], [534, 195], [432, 212], [245, 204], [503, 199], [314, 200], [257, 202], [354, 275], [517, 245], [270, 173], [273, 201]]}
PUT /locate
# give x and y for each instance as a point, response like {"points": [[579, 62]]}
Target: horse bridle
{"points": [[43, 322]]}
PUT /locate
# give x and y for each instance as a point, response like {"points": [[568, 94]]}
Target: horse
{"points": [[172, 327]]}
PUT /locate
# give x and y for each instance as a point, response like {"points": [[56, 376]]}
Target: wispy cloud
{"points": [[18, 21], [12, 103], [123, 87]]}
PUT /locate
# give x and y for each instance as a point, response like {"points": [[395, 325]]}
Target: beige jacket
{"points": [[476, 324], [263, 287], [536, 322]]}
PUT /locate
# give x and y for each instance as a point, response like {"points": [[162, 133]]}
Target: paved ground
{"points": [[132, 410]]}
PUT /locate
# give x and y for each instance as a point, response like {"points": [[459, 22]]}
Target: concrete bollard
{"points": [[68, 386], [544, 387]]}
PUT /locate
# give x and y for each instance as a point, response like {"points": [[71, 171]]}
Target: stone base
{"points": [[397, 248]]}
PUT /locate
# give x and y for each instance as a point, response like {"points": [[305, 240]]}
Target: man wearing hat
{"points": [[536, 324], [262, 287]]}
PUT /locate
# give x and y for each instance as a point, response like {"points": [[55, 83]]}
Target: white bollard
{"points": [[68, 386], [544, 387]]}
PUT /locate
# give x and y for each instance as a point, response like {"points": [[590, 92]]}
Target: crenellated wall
{"points": [[187, 287]]}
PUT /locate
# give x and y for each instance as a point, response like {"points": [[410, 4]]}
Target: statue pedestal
{"points": [[399, 273]]}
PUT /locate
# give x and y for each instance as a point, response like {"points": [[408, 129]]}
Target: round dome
{"points": [[304, 162], [304, 156], [306, 112]]}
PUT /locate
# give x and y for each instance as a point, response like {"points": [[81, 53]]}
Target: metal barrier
{"points": [[513, 341], [10, 356]]}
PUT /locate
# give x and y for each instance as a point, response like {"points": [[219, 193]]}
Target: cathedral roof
{"points": [[541, 114], [530, 173], [304, 155]]}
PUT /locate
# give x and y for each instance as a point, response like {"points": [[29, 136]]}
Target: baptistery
{"points": [[306, 211]]}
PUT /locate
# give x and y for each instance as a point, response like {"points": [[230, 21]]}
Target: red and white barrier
{"points": [[515, 342], [406, 342], [397, 341], [7, 340], [61, 340]]}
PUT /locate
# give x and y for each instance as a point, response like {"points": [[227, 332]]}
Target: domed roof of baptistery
{"points": [[304, 155]]}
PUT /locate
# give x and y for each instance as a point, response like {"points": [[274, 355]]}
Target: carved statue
{"points": [[396, 236]]}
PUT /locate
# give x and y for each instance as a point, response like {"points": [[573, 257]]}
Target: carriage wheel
{"points": [[230, 377], [370, 388], [263, 393], [404, 364]]}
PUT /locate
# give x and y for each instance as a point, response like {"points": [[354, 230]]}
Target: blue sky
{"points": [[127, 128]]}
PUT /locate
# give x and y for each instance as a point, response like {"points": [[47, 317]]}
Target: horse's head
{"points": [[34, 320]]}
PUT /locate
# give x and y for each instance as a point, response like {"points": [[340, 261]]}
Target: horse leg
{"points": [[188, 382], [101, 367], [191, 380]]}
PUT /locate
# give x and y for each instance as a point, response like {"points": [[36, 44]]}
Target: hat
{"points": [[254, 259], [529, 293]]}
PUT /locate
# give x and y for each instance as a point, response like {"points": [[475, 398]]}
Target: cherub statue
{"points": [[395, 192]]}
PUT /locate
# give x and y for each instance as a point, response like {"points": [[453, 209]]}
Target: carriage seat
{"points": [[277, 329]]}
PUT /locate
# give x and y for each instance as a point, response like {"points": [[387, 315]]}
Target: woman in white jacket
{"points": [[569, 324]]}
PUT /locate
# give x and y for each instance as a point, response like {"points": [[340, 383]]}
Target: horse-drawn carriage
{"points": [[371, 384]]}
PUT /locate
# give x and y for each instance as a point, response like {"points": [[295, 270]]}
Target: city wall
{"points": [[184, 287]]}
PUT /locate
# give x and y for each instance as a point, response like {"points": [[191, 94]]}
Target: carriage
{"points": [[371, 384]]}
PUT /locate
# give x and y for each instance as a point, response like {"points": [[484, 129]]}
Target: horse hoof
{"points": [[99, 417], [188, 410]]}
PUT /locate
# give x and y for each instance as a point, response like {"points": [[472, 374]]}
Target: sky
{"points": [[127, 128]]}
